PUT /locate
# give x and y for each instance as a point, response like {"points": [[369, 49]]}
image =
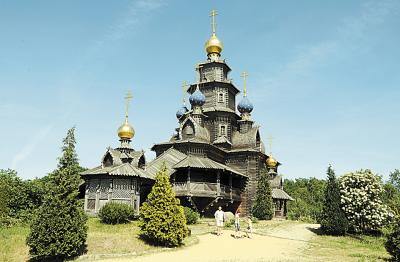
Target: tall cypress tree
{"points": [[263, 208], [333, 218], [162, 220], [58, 230]]}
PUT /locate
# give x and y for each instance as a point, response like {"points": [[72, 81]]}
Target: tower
{"points": [[216, 156]]}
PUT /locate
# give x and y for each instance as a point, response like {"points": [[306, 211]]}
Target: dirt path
{"points": [[283, 243]]}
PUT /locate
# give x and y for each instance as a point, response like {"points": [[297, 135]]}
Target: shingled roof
{"points": [[125, 169], [245, 140], [280, 194], [204, 163], [170, 157]]}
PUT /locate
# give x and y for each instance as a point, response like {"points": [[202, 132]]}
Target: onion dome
{"points": [[181, 111], [245, 106], [213, 45], [271, 162], [126, 131], [197, 98]]}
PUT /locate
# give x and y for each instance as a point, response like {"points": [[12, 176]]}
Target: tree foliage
{"points": [[392, 244], [19, 198], [162, 220], [333, 219], [308, 195], [394, 178], [361, 193], [263, 206], [59, 230]]}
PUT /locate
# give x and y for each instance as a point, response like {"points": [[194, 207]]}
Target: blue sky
{"points": [[323, 77]]}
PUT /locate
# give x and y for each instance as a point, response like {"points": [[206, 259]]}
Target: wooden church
{"points": [[215, 157]]}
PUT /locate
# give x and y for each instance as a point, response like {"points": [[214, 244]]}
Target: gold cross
{"points": [[128, 97], [270, 144], [184, 88], [244, 75], [213, 14]]}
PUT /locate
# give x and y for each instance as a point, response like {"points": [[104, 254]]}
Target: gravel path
{"points": [[283, 243]]}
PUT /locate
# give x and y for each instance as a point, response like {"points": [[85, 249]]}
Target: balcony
{"points": [[203, 189]]}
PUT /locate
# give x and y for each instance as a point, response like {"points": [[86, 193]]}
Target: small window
{"points": [[221, 97], [223, 131]]}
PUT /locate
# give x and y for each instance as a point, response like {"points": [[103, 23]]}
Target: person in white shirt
{"points": [[237, 224], [219, 220]]}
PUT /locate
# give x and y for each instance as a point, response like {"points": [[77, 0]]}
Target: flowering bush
{"points": [[361, 200]]}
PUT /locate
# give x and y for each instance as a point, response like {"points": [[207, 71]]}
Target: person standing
{"points": [[237, 224], [219, 220], [249, 232]]}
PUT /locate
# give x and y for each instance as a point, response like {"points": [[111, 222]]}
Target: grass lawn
{"points": [[103, 241], [12, 244], [348, 248], [106, 241]]}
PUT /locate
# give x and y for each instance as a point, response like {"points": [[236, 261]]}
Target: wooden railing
{"points": [[204, 188]]}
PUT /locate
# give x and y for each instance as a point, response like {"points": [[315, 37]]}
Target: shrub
{"points": [[162, 220], [361, 200], [191, 216], [229, 222], [392, 244], [263, 208], [254, 220], [333, 219], [115, 213], [58, 230]]}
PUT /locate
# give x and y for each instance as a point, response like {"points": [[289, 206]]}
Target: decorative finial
{"points": [[128, 98], [184, 89], [126, 131], [270, 138], [244, 75], [213, 14]]}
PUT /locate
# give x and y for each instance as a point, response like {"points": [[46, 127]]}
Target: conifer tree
{"points": [[58, 230], [333, 218], [263, 208], [162, 220]]}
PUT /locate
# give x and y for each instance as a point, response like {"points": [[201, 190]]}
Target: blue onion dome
{"points": [[197, 98], [181, 111], [245, 106]]}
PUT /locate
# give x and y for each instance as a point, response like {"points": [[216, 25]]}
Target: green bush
{"points": [[162, 220], [58, 230], [115, 213], [392, 244], [229, 223], [191, 216]]}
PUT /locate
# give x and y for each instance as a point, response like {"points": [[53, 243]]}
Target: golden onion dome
{"points": [[126, 131], [213, 45], [271, 162]]}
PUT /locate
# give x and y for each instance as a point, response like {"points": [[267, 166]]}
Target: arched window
{"points": [[222, 130]]}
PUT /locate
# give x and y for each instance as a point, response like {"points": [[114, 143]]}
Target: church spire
{"points": [[126, 131], [271, 162], [213, 45], [245, 107], [183, 109]]}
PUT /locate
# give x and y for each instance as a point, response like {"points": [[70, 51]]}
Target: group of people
{"points": [[220, 218]]}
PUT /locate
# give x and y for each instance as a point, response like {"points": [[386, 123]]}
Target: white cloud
{"points": [[29, 148], [347, 37]]}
